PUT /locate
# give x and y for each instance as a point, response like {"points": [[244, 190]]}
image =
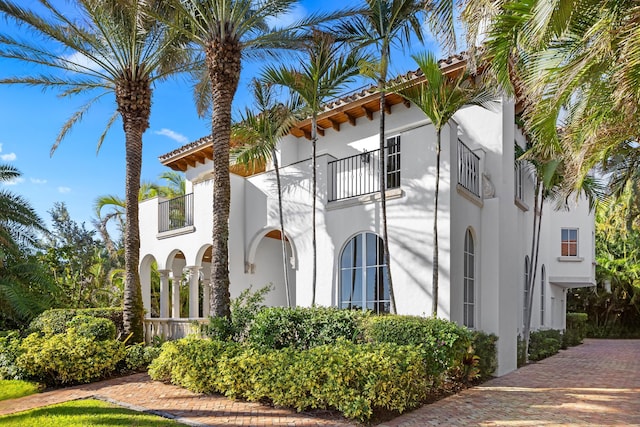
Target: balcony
{"points": [[468, 169], [358, 175], [176, 213]]}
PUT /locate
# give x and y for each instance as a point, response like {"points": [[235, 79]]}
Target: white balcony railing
{"points": [[171, 329], [468, 169]]}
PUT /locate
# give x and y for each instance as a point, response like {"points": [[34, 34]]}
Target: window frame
{"points": [[570, 244], [543, 292], [527, 290], [392, 157], [469, 281]]}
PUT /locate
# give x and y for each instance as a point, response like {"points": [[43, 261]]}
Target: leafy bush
{"points": [[354, 378], [243, 311], [485, 347], [139, 356], [9, 352], [576, 329], [521, 358], [55, 321], [98, 328], [544, 343], [68, 358], [303, 328], [444, 344]]}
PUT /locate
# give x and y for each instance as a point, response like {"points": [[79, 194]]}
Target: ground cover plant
{"points": [[13, 389], [81, 413]]}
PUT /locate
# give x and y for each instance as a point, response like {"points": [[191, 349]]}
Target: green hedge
{"points": [[544, 343], [9, 352], [576, 329], [444, 344], [354, 378], [98, 328], [138, 357], [68, 358], [485, 347], [303, 328], [55, 321]]}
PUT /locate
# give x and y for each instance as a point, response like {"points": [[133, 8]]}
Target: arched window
{"points": [[469, 281], [363, 275], [525, 309], [543, 286]]}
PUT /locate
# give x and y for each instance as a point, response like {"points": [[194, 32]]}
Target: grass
{"points": [[81, 413], [12, 389]]}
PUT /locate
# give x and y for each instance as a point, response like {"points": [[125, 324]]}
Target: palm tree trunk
{"points": [[223, 63], [533, 265], [383, 192], [434, 291], [285, 264], [314, 139]]}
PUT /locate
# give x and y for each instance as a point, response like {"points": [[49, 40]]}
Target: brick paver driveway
{"points": [[595, 384]]}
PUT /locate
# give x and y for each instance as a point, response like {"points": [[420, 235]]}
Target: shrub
{"points": [[521, 358], [98, 328], [485, 347], [55, 321], [544, 343], [139, 356], [354, 378], [444, 344], [576, 329], [303, 328], [9, 352], [68, 358]]}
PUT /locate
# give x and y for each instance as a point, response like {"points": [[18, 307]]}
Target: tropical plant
{"points": [[260, 134], [321, 76], [107, 47], [384, 23], [440, 96]]}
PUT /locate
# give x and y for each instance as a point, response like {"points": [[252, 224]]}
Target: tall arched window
{"points": [[543, 289], [469, 281], [525, 309], [363, 275]]}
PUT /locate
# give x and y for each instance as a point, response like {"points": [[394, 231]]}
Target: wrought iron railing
{"points": [[468, 169], [358, 175], [175, 213]]}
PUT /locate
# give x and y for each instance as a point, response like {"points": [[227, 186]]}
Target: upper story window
{"points": [[393, 162], [525, 307], [469, 301], [569, 242], [519, 181], [543, 292]]}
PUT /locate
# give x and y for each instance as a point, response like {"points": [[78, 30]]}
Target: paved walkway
{"points": [[595, 384]]}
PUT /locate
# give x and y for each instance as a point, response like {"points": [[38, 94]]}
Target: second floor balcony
{"points": [[175, 213]]}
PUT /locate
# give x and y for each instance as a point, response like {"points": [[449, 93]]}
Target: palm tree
{"points": [[260, 134], [384, 23], [440, 96], [321, 76], [226, 31], [123, 52]]}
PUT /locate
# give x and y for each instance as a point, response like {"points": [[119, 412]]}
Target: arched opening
{"points": [[469, 302], [363, 278], [150, 286], [268, 267]]}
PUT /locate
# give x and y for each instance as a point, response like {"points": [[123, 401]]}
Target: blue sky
{"points": [[30, 120]]}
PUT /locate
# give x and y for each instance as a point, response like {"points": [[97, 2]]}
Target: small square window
{"points": [[569, 242]]}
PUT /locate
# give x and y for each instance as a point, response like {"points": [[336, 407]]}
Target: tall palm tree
{"points": [[384, 23], [122, 52], [322, 75], [260, 134], [226, 31], [440, 96]]}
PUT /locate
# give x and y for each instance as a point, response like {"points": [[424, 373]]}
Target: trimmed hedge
{"points": [[576, 329], [444, 344], [303, 328], [485, 347], [354, 378], [139, 356], [55, 321], [98, 328], [545, 343]]}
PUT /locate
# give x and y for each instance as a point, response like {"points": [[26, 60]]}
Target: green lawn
{"points": [[82, 413], [11, 389]]}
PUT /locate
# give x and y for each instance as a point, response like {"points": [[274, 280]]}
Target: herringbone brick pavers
{"points": [[595, 384]]}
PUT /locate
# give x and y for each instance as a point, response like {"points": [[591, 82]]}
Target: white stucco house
{"points": [[485, 222]]}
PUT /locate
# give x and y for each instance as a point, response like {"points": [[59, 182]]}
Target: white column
{"points": [[194, 275], [175, 294], [206, 295], [164, 293]]}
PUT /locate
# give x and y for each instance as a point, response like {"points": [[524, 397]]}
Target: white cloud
{"points": [[14, 181], [64, 190], [9, 157], [38, 181], [173, 135], [297, 13], [81, 62]]}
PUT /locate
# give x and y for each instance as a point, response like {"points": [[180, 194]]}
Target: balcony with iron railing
{"points": [[468, 169], [359, 175], [175, 213]]}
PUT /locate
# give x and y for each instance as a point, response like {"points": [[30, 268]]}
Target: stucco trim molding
{"points": [[177, 232], [470, 196], [394, 193]]}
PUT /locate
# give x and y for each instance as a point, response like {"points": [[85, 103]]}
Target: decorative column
{"points": [[164, 293], [194, 275], [175, 294], [206, 295]]}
